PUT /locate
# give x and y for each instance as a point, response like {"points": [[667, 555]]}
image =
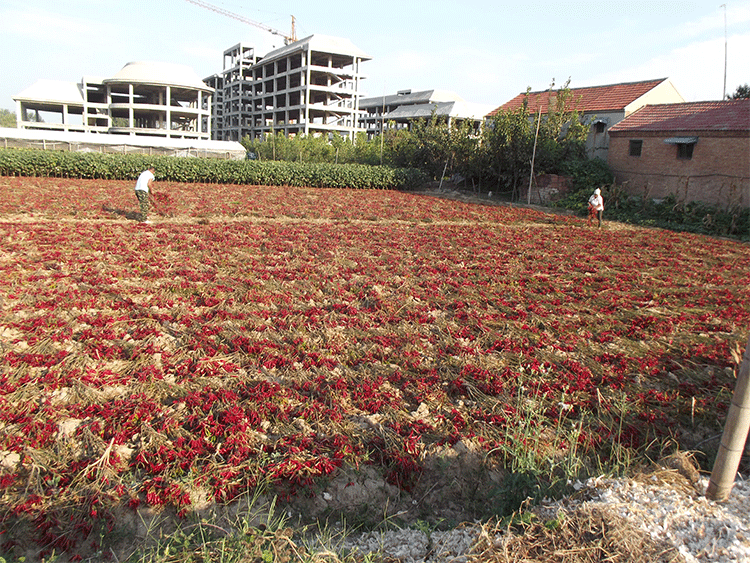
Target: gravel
{"points": [[671, 510], [702, 530]]}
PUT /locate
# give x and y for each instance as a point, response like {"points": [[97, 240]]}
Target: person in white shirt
{"points": [[142, 191], [596, 206]]}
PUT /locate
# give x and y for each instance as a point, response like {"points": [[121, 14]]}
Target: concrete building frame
{"points": [[144, 98], [309, 87]]}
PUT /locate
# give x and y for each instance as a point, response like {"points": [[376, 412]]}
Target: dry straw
{"points": [[579, 535]]}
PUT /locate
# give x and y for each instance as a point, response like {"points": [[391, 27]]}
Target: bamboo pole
{"points": [[734, 437], [533, 154], [440, 187]]}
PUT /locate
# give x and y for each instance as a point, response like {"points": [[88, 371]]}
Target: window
{"points": [[684, 146], [685, 150], [636, 147], [599, 127]]}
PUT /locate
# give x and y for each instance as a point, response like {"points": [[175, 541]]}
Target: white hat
{"points": [[597, 191]]}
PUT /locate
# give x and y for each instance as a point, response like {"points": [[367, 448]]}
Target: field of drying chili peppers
{"points": [[277, 335]]}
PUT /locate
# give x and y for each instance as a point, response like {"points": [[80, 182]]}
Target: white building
{"points": [[309, 87], [401, 109], [144, 98]]}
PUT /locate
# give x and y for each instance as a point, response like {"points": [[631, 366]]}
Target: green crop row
{"points": [[32, 162]]}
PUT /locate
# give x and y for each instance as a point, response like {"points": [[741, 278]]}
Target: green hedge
{"points": [[34, 162]]}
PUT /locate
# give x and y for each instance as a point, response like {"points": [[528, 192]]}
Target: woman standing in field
{"points": [[596, 206]]}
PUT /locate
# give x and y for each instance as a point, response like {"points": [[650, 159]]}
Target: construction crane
{"points": [[291, 38]]}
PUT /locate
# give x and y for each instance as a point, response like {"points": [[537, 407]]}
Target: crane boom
{"points": [[291, 38]]}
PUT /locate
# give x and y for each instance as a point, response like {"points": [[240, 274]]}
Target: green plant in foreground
{"points": [[258, 532]]}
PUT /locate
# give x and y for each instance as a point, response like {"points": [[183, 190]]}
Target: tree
{"points": [[508, 141], [742, 92], [7, 118]]}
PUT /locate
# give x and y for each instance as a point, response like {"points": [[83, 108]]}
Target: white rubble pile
{"points": [[702, 530], [414, 546]]}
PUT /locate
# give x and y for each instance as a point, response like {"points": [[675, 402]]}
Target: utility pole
{"points": [[533, 153], [536, 137], [724, 97], [382, 127]]}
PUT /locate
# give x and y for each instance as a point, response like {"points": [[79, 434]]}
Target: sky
{"points": [[485, 51]]}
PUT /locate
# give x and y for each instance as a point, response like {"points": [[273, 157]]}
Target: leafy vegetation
{"points": [[497, 158], [742, 91], [691, 217], [19, 162], [7, 118]]}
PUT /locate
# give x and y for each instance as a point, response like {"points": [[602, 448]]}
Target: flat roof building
{"points": [[143, 98], [399, 110]]}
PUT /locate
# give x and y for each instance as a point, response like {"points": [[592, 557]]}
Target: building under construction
{"points": [[143, 99], [308, 87]]}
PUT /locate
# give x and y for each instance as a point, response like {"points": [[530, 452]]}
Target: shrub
{"points": [[20, 162], [586, 176]]}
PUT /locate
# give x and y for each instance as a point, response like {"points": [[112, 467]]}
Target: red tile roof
{"points": [[731, 115], [613, 97]]}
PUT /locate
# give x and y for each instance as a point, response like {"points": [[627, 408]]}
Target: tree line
{"points": [[496, 157]]}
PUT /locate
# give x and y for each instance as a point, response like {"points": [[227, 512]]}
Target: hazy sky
{"points": [[485, 51]]}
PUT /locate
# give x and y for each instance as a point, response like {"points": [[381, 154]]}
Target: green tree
{"points": [[509, 139], [368, 152], [425, 145], [496, 158], [508, 143], [562, 132], [7, 118], [465, 143], [742, 92]]}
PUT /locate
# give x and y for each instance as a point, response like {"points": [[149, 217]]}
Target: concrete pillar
{"points": [[108, 101], [355, 65], [208, 113], [131, 117], [169, 111], [306, 66]]}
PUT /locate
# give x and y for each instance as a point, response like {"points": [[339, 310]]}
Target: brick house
{"points": [[698, 151], [600, 106]]}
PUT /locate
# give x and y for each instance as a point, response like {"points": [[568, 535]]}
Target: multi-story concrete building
{"points": [[144, 98], [309, 87], [233, 91], [400, 110]]}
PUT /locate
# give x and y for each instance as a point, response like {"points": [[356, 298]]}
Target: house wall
{"points": [[718, 172], [597, 143], [662, 93], [546, 188]]}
